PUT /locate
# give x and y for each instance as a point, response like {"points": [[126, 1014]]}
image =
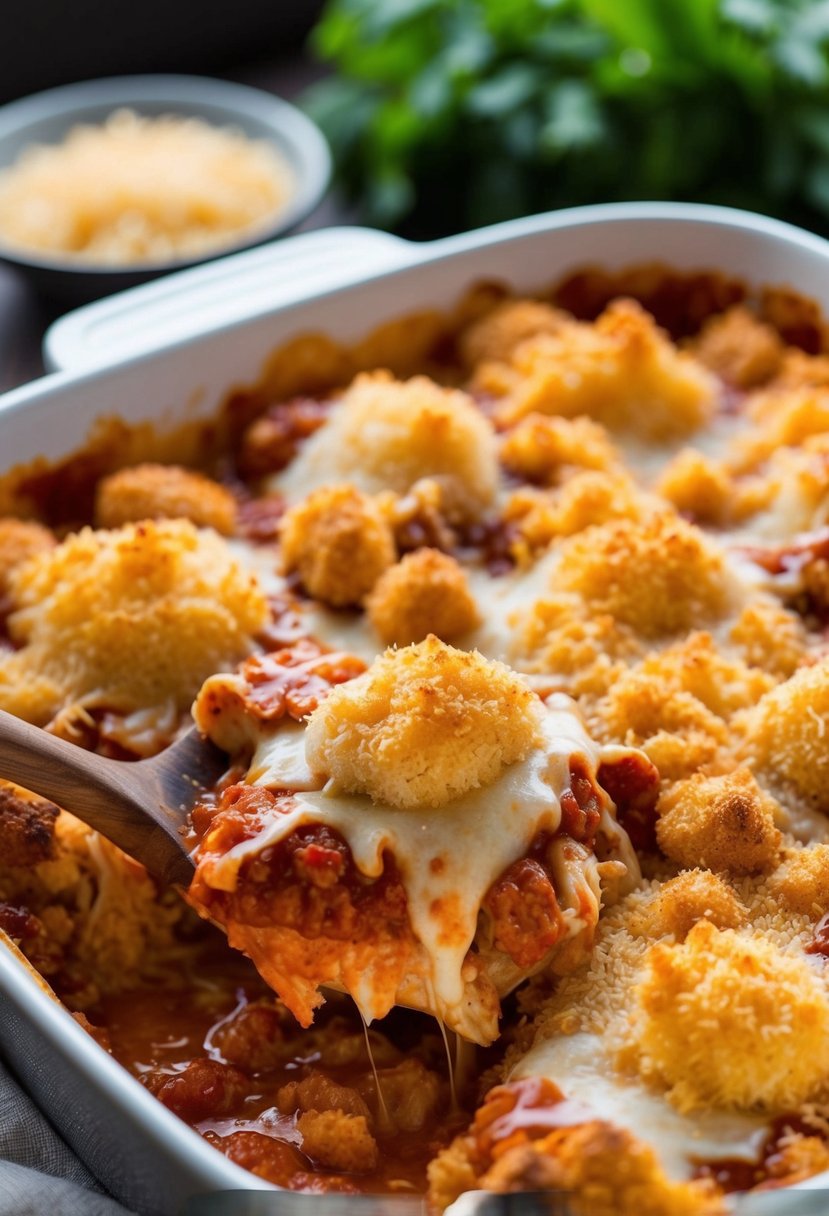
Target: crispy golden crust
{"points": [[704, 1006], [786, 734], [659, 576], [19, 540], [801, 882], [157, 491], [387, 434], [496, 335], [604, 1170], [681, 902], [85, 612], [770, 638], [742, 349], [427, 592], [587, 499], [622, 371], [339, 543], [422, 726], [699, 488], [720, 823], [678, 705], [544, 449]]}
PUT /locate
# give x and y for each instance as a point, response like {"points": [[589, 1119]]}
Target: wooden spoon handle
{"points": [[116, 798]]}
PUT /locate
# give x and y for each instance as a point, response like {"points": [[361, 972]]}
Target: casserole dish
{"points": [[51, 419]]}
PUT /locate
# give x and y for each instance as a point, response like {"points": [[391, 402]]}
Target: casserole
{"points": [[155, 385]]}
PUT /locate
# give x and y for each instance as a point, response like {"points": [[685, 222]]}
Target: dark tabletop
{"points": [[24, 317]]}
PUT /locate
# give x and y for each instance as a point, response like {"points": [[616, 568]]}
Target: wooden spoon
{"points": [[142, 805]]}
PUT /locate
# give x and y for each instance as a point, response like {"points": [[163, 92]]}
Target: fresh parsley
{"points": [[448, 114]]}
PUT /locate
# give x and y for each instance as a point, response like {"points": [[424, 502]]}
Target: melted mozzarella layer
{"points": [[579, 1066], [450, 857]]}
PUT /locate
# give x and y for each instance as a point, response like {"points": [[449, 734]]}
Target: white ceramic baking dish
{"points": [[171, 351]]}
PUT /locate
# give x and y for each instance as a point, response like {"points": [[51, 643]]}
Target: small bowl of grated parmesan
{"points": [[111, 183]]}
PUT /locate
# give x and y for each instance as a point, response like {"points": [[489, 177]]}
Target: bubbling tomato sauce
{"points": [[224, 1056]]}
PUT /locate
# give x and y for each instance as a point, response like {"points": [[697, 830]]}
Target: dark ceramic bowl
{"points": [[47, 117]]}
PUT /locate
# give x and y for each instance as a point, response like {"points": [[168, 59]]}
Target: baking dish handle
{"points": [[220, 293]]}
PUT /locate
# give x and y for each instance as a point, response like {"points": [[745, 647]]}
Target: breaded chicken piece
{"points": [[128, 619], [720, 823], [427, 592], [786, 734], [159, 491], [659, 575], [622, 371], [423, 726], [19, 540], [730, 1021], [387, 434], [496, 335], [740, 348], [339, 543]]}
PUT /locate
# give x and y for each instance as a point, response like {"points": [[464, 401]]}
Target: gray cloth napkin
{"points": [[39, 1173]]}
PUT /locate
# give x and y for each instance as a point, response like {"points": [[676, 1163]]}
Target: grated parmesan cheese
{"points": [[139, 189]]}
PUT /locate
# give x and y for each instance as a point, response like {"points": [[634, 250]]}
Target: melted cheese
{"points": [[580, 1067], [447, 858]]}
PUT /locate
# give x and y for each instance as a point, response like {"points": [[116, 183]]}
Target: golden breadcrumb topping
{"points": [[659, 576], [586, 652], [496, 335], [544, 449], [678, 904], [585, 500], [427, 592], [423, 726], [623, 371], [158, 491], [726, 1020], [801, 882], [700, 488], [603, 1170], [387, 434], [770, 637], [130, 618], [338, 542], [678, 705], [19, 540], [786, 735], [736, 345], [783, 418], [721, 823]]}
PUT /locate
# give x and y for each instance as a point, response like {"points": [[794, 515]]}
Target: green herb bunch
{"points": [[449, 114]]}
